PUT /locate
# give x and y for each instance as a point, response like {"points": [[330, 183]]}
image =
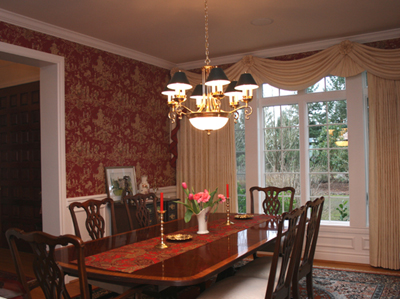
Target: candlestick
{"points": [[161, 201], [162, 245], [228, 221]]}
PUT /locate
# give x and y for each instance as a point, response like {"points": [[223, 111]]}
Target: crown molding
{"points": [[299, 48], [32, 24]]}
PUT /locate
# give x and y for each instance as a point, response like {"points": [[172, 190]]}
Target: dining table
{"points": [[135, 257]]}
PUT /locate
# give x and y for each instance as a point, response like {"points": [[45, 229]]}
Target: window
{"points": [[328, 157], [303, 140], [241, 161], [329, 83], [270, 91], [282, 149]]}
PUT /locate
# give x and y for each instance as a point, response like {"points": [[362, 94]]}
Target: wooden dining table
{"points": [[133, 257]]}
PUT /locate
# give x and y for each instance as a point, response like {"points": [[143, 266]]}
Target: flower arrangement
{"points": [[196, 202]]}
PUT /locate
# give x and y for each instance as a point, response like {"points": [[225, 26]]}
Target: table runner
{"points": [[136, 256]]}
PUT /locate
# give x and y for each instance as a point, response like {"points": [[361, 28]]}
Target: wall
{"points": [[114, 112]]}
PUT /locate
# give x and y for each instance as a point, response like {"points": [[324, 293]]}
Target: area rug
{"points": [[328, 283]]}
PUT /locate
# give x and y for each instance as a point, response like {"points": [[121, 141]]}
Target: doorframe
{"points": [[52, 130]]}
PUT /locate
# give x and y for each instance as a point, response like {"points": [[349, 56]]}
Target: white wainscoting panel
{"points": [[343, 244]]}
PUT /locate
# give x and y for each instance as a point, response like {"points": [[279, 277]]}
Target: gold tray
{"points": [[179, 237], [244, 216]]}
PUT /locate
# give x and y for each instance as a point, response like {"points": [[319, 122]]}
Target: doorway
{"points": [[52, 131], [20, 196]]}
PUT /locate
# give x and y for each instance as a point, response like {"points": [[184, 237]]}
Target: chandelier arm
{"points": [[183, 110], [172, 116], [248, 110]]}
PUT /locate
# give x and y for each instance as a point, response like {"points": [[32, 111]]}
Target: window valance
{"points": [[345, 59]]}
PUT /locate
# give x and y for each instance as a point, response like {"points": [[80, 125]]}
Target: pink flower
{"points": [[206, 196], [184, 186], [202, 196], [190, 196], [197, 197], [222, 197]]}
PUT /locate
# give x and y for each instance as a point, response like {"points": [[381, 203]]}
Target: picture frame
{"points": [[117, 177]]}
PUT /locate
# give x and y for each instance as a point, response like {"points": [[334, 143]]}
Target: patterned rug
{"points": [[328, 283], [346, 284]]}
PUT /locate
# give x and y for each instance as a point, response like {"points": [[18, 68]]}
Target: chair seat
{"points": [[236, 287], [259, 268]]}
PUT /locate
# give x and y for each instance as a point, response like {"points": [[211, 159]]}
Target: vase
{"points": [[202, 220], [144, 185]]}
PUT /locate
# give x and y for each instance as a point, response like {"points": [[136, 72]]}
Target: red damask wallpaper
{"points": [[115, 114]]}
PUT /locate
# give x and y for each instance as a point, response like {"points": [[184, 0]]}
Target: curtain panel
{"points": [[205, 159]]}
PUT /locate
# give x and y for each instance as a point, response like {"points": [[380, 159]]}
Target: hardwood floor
{"points": [[6, 264]]}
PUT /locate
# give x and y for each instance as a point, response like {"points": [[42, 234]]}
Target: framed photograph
{"points": [[118, 178]]}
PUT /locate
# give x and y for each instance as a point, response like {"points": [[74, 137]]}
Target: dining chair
{"points": [[49, 275], [271, 204], [268, 277], [142, 215], [95, 223], [305, 267], [270, 199]]}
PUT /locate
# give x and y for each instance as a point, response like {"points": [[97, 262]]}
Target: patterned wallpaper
{"points": [[115, 114]]}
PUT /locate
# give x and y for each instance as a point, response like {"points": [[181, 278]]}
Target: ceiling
{"points": [[173, 30]]}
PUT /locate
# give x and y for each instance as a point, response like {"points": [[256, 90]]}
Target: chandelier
{"points": [[209, 115]]}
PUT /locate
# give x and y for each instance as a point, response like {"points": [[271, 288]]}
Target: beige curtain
{"points": [[384, 147], [207, 162], [196, 152]]}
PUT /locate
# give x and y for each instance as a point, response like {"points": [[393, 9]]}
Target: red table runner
{"points": [[136, 256]]}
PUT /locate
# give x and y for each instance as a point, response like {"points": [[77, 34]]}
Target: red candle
{"points": [[227, 190], [161, 201]]}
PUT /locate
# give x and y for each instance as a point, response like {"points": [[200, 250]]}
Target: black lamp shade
{"points": [[198, 91], [217, 75], [246, 81], [231, 88], [179, 81], [168, 91]]}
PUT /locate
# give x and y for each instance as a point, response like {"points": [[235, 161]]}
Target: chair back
{"points": [[94, 223], [311, 236], [142, 216], [286, 253], [49, 275], [271, 204]]}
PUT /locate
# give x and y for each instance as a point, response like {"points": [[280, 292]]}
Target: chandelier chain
{"points": [[207, 61]]}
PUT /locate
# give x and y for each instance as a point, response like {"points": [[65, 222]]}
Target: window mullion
{"points": [[304, 163]]}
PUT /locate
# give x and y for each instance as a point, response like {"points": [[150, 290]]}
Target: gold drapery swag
{"points": [[211, 161]]}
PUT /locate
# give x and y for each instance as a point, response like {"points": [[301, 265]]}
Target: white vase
{"points": [[144, 185], [202, 220]]}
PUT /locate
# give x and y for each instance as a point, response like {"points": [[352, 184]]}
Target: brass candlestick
{"points": [[162, 245], [228, 221]]}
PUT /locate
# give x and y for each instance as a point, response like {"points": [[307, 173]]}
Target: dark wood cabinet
{"points": [[122, 218]]}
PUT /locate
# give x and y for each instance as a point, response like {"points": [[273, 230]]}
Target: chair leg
{"points": [[90, 290], [310, 292], [295, 289]]}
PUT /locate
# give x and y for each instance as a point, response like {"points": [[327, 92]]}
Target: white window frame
{"points": [[356, 108]]}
